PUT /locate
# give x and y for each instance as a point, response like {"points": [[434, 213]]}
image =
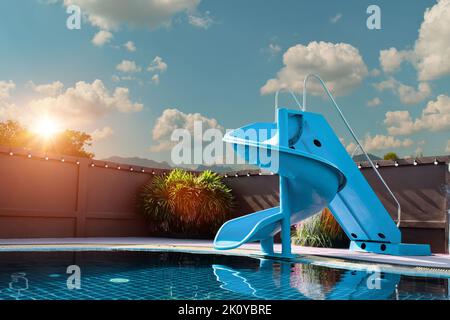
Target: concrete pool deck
{"points": [[435, 265]]}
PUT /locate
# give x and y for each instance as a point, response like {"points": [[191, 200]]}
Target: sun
{"points": [[46, 127]]}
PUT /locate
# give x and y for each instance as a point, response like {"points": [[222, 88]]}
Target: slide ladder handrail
{"points": [[303, 108]]}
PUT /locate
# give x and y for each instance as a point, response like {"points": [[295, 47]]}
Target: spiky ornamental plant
{"points": [[153, 203], [321, 230], [183, 201]]}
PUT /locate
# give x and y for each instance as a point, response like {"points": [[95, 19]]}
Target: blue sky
{"points": [[218, 57]]}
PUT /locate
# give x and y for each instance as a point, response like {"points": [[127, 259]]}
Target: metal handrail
{"points": [[399, 210], [293, 96]]}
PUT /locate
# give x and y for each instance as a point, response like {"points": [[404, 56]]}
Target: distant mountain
{"points": [[141, 162], [362, 157], [219, 168]]}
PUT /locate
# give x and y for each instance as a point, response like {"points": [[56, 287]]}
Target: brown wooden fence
{"points": [[55, 196]]}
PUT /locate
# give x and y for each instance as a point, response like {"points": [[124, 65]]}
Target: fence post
{"points": [[81, 206]]}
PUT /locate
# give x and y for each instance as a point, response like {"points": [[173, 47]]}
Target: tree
{"points": [[13, 134], [390, 156], [67, 142], [72, 143]]}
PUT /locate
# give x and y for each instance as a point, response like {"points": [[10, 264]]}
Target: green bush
{"points": [[182, 202], [320, 230], [390, 156]]}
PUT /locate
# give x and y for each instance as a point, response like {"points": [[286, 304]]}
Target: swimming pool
{"points": [[174, 275]]}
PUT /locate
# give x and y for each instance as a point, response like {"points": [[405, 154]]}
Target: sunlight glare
{"points": [[46, 128]]}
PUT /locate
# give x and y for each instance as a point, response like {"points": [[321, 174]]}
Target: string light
{"points": [[416, 162]]}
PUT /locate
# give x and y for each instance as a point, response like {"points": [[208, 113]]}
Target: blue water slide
{"points": [[308, 182], [315, 172]]}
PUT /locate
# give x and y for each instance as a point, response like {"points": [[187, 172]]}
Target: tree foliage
{"points": [[67, 142], [390, 156]]}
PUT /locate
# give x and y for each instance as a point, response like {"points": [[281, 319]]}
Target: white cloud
{"points": [[48, 89], [271, 50], [78, 105], [130, 46], [172, 119], [374, 72], [382, 142], [435, 117], [128, 66], [5, 89], [101, 38], [336, 18], [407, 94], [116, 78], [102, 134], [340, 65], [110, 15], [431, 53], [201, 21], [373, 102], [155, 79], [351, 148], [391, 59], [274, 49], [7, 109], [432, 48], [157, 65]]}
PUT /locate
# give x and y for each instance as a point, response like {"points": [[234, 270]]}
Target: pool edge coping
{"points": [[324, 260]]}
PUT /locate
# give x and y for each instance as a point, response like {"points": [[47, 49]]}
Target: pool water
{"points": [[170, 275]]}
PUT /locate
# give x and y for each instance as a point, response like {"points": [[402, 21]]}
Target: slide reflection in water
{"points": [[303, 281]]}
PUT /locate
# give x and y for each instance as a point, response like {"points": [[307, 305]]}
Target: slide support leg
{"points": [[267, 246], [286, 222]]}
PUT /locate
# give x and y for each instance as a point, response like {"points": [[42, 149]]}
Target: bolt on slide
{"points": [[315, 172]]}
